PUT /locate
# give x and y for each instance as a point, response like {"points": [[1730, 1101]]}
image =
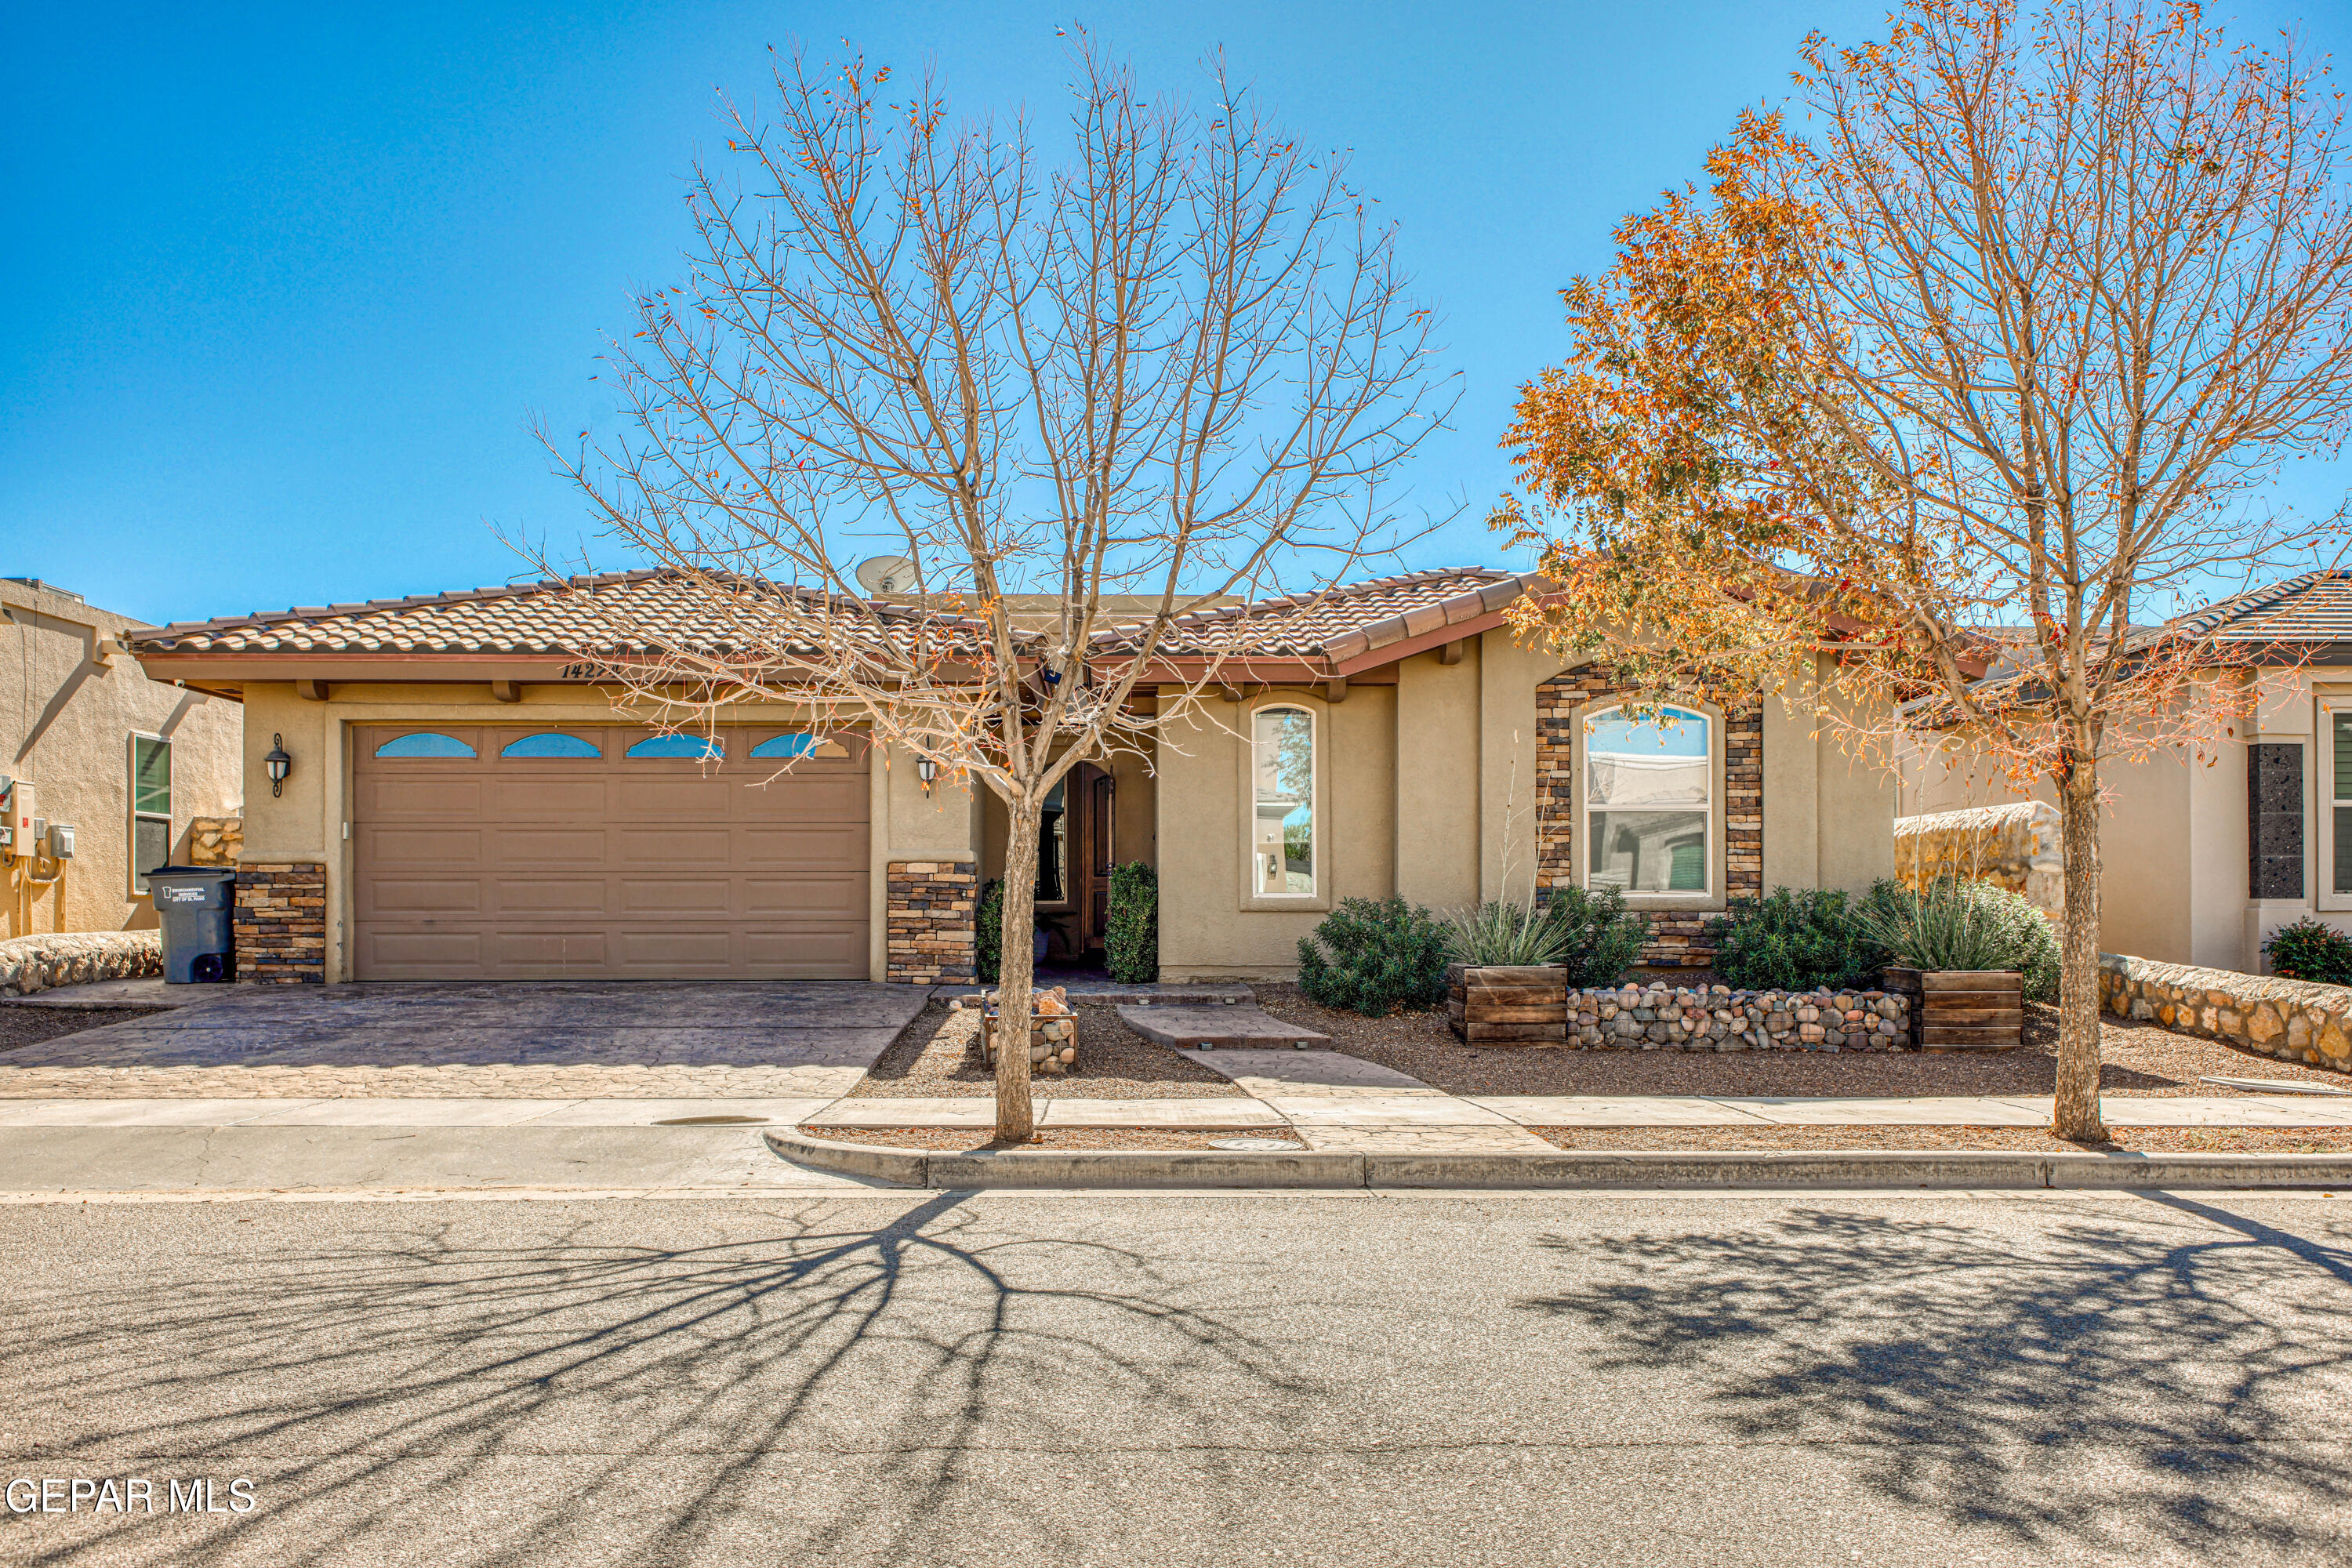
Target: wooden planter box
{"points": [[1498, 1004], [1964, 1009]]}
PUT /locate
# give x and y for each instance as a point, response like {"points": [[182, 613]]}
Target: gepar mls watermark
{"points": [[129, 1494]]}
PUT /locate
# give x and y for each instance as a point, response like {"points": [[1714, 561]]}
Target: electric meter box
{"points": [[61, 841], [16, 817]]}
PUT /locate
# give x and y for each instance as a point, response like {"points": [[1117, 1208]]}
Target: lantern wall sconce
{"points": [[277, 763], [928, 770]]}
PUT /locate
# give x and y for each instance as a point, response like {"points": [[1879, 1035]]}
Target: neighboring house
{"points": [[89, 742], [2202, 857], [462, 802]]}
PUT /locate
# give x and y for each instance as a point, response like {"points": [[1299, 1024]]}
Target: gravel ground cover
{"points": [[957, 1139], [939, 1054], [2140, 1059], [2140, 1139], [30, 1026]]}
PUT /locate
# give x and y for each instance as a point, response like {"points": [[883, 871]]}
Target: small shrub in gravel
{"points": [[1603, 937], [1372, 956], [2310, 951]]}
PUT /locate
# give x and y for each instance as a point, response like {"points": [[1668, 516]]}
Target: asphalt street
{"points": [[880, 1377]]}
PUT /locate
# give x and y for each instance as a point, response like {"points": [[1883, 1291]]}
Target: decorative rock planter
{"points": [[1053, 1031], [1718, 1018], [1965, 1009], [1507, 1004], [2292, 1020]]}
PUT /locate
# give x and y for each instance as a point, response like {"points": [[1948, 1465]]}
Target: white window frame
{"points": [[1712, 858], [132, 815], [2321, 802], [1320, 898]]}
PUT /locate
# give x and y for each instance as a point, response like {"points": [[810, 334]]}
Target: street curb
{"points": [[1141, 1169]]}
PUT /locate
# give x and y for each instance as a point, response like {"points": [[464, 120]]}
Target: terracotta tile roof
{"points": [[2316, 608], [574, 615], [589, 616], [1346, 622]]}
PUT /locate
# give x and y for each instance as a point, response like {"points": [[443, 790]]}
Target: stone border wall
{"points": [[30, 964], [1676, 939], [2290, 1019], [281, 923], [930, 934], [1718, 1018]]}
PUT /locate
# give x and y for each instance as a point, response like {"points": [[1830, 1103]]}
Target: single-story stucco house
{"points": [[462, 801], [2203, 856], [93, 750]]}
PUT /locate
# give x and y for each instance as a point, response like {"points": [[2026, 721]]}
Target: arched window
{"points": [[424, 743], [799, 743], [1649, 800], [692, 748], [1282, 839], [552, 743]]}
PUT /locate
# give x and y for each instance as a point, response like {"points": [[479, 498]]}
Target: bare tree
{"points": [[2010, 334], [1173, 369]]}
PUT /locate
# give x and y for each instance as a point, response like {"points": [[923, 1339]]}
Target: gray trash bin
{"points": [[196, 905]]}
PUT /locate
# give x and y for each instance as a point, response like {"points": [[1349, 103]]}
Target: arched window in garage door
{"points": [[424, 743], [799, 743], [552, 744]]}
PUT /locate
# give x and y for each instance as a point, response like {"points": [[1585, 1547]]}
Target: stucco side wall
{"points": [[1438, 801], [73, 704], [1508, 737], [307, 821], [1854, 822], [1205, 930]]}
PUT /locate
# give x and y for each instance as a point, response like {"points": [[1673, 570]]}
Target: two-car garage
{"points": [[515, 852]]}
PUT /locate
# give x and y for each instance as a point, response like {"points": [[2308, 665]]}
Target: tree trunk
{"points": [[2074, 1110], [1016, 1120]]}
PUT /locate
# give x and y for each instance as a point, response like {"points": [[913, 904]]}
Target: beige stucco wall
{"points": [[1436, 758], [307, 821], [69, 701], [1207, 927]]}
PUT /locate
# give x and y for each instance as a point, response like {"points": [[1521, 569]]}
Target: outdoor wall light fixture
{"points": [[928, 770], [277, 763]]}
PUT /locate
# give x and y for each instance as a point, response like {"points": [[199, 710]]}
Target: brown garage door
{"points": [[504, 852]]}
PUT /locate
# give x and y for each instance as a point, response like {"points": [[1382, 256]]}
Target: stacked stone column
{"points": [[933, 920], [281, 923]]}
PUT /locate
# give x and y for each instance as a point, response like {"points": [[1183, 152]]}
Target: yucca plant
{"points": [[1964, 925], [1499, 931]]}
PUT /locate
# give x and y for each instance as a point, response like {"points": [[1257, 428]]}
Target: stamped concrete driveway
{"points": [[551, 1039]]}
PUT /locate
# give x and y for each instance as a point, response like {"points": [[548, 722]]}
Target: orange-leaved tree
{"points": [[1985, 360]]}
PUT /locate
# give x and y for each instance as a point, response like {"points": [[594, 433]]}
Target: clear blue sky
{"points": [[283, 283]]}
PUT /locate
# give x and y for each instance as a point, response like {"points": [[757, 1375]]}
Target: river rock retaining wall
{"points": [[1718, 1018], [2290, 1019], [30, 964]]}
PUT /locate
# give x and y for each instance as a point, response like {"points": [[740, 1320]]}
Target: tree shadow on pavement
{"points": [[2074, 1384], [662, 1394]]}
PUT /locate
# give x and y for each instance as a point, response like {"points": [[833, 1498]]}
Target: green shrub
{"points": [[1964, 925], [1794, 939], [1604, 937], [987, 937], [1374, 956], [1131, 937], [2309, 950]]}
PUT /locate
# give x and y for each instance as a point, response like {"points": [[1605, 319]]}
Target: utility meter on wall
{"points": [[61, 834], [16, 820]]}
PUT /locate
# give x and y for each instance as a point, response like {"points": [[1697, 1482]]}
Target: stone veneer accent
{"points": [[2290, 1019], [1676, 936], [281, 923], [31, 964], [215, 841], [929, 933]]}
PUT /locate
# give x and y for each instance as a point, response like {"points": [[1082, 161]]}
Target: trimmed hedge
{"points": [[1131, 938]]}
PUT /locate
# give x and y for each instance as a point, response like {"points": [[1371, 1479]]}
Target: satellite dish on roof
{"points": [[887, 574]]}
